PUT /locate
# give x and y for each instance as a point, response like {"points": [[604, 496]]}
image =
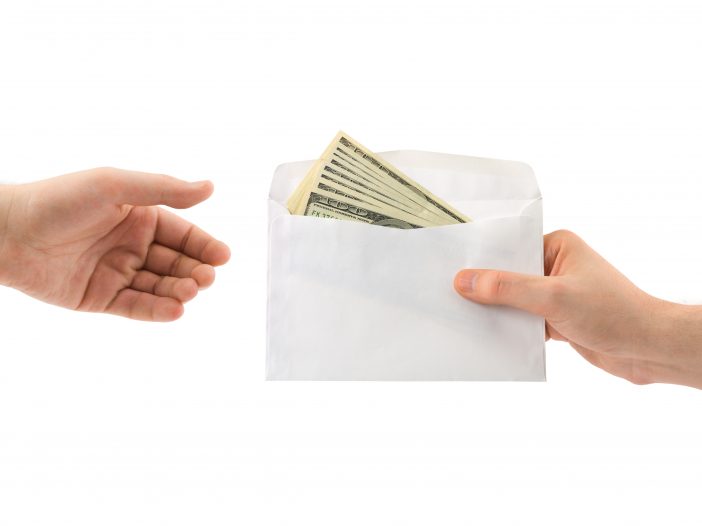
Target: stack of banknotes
{"points": [[350, 182]]}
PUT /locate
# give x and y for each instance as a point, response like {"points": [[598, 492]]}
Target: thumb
{"points": [[145, 189], [494, 287]]}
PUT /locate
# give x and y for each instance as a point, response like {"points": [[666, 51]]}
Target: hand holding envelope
{"points": [[350, 301]]}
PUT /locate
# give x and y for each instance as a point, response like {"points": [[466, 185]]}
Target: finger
{"points": [[177, 233], [181, 289], [165, 261], [533, 294], [557, 245], [141, 188], [143, 306], [553, 333]]}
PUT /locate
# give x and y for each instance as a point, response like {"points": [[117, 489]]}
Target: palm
{"points": [[94, 257], [86, 254]]}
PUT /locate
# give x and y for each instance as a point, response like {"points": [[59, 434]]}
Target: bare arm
{"points": [[588, 303]]}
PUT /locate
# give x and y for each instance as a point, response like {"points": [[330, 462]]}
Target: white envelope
{"points": [[352, 301]]}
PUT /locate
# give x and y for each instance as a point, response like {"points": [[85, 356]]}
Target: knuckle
{"points": [[105, 174], [175, 265], [561, 234], [165, 186], [159, 286], [104, 178], [496, 286], [166, 180], [637, 375], [125, 262], [565, 236], [638, 381]]}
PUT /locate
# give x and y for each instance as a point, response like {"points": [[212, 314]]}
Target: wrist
{"points": [[6, 196]]}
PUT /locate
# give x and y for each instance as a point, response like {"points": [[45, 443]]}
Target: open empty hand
{"points": [[97, 241]]}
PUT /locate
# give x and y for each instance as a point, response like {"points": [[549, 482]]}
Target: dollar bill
{"points": [[329, 207], [332, 178], [367, 181], [351, 183], [344, 196], [411, 188]]}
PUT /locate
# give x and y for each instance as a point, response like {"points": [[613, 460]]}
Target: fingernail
{"points": [[465, 282]]}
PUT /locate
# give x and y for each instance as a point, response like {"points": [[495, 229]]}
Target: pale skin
{"points": [[589, 304], [98, 241]]}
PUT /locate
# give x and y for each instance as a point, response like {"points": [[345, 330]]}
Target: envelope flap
{"points": [[456, 178], [463, 178]]}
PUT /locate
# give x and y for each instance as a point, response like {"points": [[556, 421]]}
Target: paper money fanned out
{"points": [[351, 182]]}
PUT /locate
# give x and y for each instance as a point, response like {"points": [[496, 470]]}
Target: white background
{"points": [[107, 421]]}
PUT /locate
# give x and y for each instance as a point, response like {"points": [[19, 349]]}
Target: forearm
{"points": [[676, 350]]}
